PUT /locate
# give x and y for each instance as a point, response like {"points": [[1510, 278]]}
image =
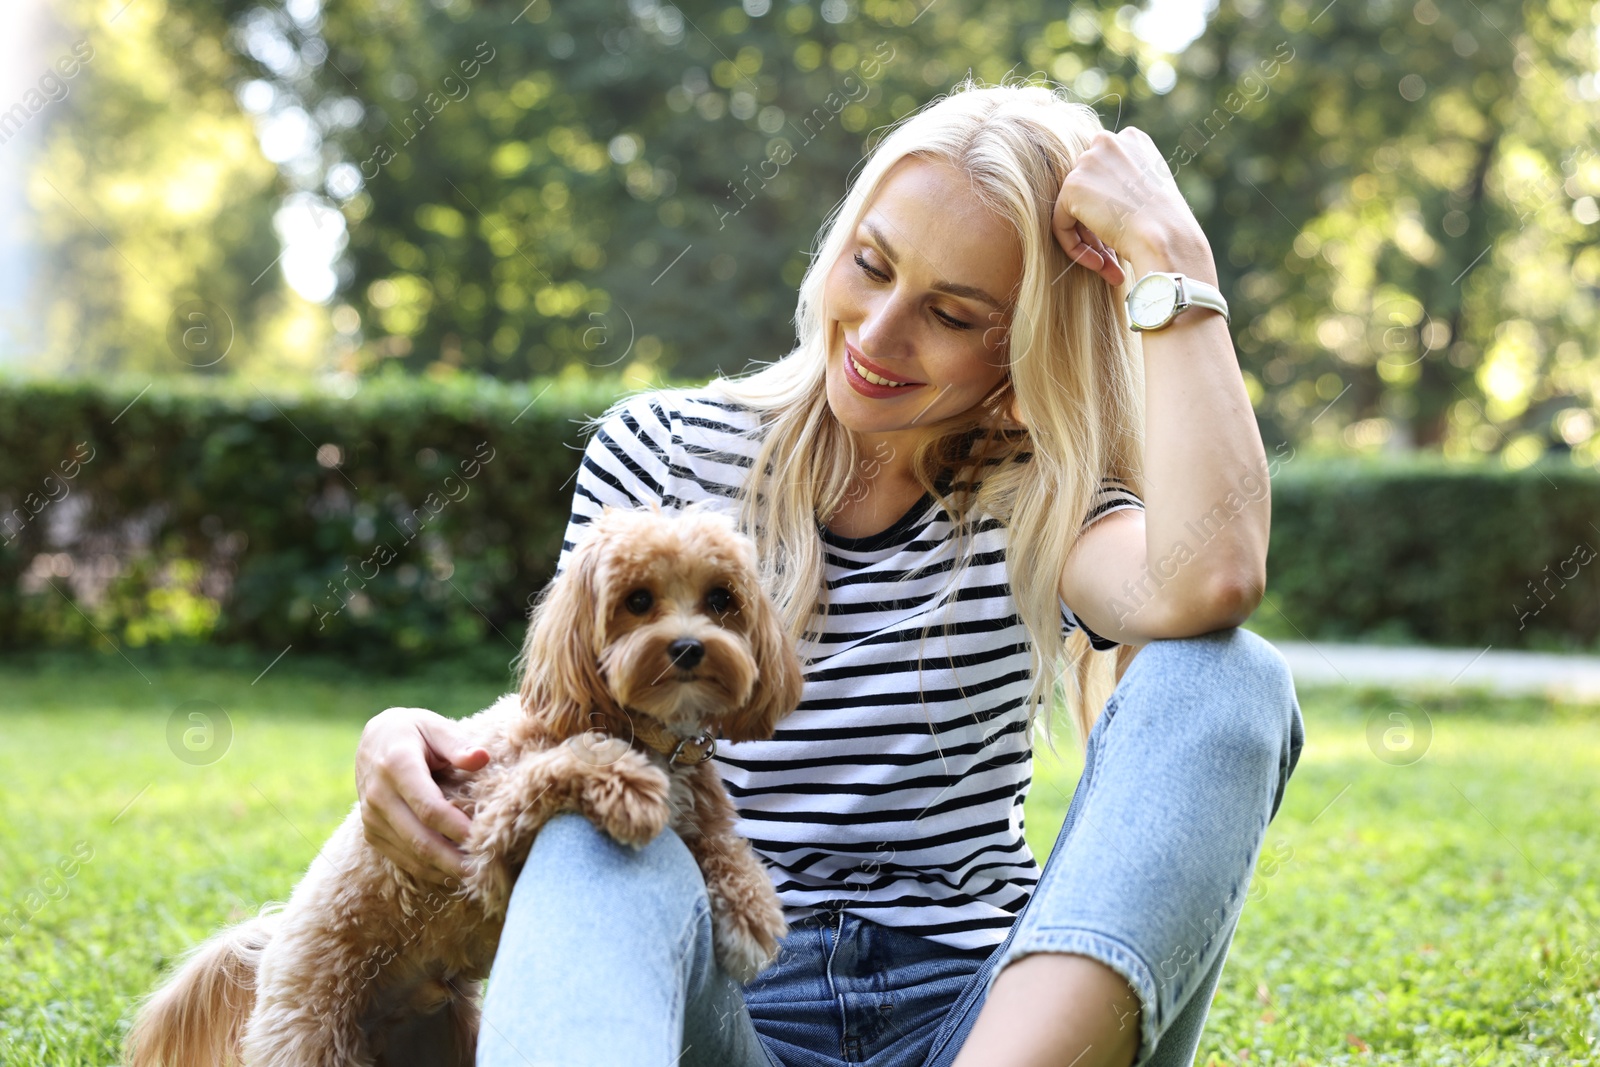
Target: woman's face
{"points": [[921, 295]]}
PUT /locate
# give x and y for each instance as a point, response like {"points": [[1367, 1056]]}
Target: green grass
{"points": [[1444, 912]]}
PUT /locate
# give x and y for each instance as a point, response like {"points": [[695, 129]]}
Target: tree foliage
{"points": [[1401, 196], [156, 207], [1409, 212]]}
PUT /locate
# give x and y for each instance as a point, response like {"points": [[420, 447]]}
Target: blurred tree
{"points": [[1406, 208], [156, 206], [531, 187], [1402, 198]]}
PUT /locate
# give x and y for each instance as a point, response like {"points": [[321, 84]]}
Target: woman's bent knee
{"points": [[1234, 689], [602, 942], [574, 863], [1239, 656]]}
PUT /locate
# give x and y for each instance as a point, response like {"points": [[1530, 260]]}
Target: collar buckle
{"points": [[702, 738]]}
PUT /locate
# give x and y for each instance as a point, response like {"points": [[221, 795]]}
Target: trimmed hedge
{"points": [[1438, 553], [419, 517]]}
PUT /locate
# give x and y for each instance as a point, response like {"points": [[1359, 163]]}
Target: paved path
{"points": [[1317, 662]]}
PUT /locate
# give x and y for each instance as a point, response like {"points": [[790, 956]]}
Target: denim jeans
{"points": [[606, 955]]}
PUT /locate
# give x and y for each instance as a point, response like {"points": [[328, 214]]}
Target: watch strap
{"points": [[1194, 293]]}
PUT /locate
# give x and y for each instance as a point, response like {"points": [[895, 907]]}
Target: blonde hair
{"points": [[1075, 381]]}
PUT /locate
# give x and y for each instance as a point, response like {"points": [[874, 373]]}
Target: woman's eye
{"points": [[870, 271], [639, 601], [719, 601], [878, 275]]}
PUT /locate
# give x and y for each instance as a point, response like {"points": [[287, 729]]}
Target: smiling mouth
{"points": [[872, 376]]}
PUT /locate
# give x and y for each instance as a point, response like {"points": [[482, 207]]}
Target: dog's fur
{"points": [[361, 946]]}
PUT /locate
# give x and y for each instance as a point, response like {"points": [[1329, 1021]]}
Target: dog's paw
{"points": [[628, 800], [746, 937]]}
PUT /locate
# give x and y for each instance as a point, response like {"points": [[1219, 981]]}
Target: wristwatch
{"points": [[1155, 300]]}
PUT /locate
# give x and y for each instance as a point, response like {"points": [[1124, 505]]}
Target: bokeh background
{"points": [[303, 307], [1402, 196], [253, 250]]}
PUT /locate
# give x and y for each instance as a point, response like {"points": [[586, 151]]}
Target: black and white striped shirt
{"points": [[891, 792]]}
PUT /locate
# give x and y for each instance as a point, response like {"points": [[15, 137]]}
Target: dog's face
{"points": [[665, 616]]}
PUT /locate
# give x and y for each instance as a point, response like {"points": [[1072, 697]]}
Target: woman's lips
{"points": [[856, 370]]}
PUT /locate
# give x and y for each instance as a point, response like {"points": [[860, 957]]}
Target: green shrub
{"points": [[416, 518], [1437, 552], [419, 517]]}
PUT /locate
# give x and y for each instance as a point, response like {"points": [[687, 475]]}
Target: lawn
{"points": [[1443, 911]]}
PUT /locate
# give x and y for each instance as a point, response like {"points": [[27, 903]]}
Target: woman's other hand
{"points": [[404, 814], [1120, 193]]}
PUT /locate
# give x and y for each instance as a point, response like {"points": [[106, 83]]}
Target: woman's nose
{"points": [[882, 333]]}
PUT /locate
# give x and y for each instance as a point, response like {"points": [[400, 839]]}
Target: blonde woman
{"points": [[970, 480]]}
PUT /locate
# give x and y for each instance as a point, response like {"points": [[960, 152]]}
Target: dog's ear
{"points": [[561, 656], [778, 684]]}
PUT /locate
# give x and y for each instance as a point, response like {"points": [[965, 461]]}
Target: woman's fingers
{"points": [[404, 813], [1087, 255], [403, 857], [416, 847], [448, 745], [1092, 253], [1083, 246], [425, 801], [380, 840], [1091, 242], [1111, 270], [1066, 230]]}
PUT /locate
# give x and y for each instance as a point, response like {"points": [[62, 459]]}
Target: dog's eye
{"points": [[639, 601], [719, 600]]}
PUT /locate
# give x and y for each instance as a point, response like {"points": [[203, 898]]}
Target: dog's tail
{"points": [[197, 1018]]}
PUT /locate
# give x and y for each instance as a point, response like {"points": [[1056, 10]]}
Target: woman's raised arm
{"points": [[1205, 465]]}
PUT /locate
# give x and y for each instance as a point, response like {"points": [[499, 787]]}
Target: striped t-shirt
{"points": [[890, 793]]}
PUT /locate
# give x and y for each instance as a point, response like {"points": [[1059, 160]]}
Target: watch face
{"points": [[1152, 300]]}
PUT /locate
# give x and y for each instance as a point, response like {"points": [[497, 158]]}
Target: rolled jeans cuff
{"points": [[1105, 949]]}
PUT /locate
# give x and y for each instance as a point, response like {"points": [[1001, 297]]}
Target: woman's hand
{"points": [[1120, 194], [404, 814]]}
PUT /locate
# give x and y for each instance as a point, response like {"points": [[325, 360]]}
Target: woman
{"points": [[957, 503]]}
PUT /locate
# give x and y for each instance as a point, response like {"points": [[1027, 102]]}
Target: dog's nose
{"points": [[686, 652]]}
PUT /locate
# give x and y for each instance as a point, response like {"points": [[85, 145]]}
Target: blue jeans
{"points": [[606, 954]]}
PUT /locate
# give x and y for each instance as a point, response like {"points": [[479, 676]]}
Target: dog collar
{"points": [[680, 750]]}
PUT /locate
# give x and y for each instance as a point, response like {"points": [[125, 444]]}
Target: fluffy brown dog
{"points": [[655, 638]]}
